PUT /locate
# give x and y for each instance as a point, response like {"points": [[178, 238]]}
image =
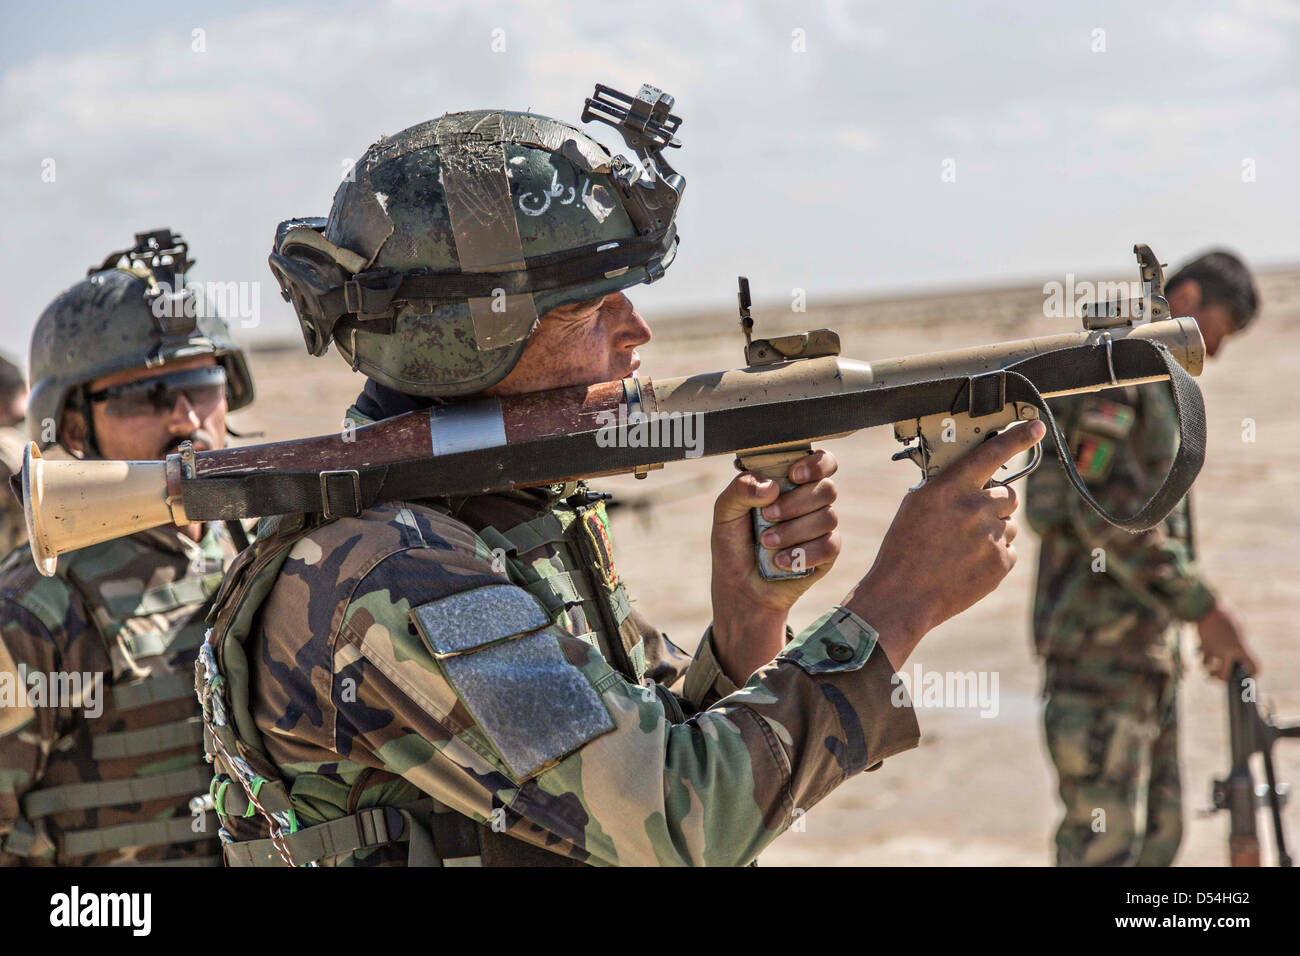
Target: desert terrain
{"points": [[978, 790]]}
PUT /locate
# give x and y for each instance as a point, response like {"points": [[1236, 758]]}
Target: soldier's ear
{"points": [[72, 431]]}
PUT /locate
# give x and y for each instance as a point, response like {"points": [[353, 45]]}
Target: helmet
{"points": [[132, 311], [447, 241]]}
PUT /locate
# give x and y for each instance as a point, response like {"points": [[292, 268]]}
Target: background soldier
{"points": [[468, 683], [127, 371], [13, 411], [1109, 605]]}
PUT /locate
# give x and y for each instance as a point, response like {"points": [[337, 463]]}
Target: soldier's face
{"points": [[1214, 319], [15, 410], [1216, 325], [579, 344], [153, 434]]}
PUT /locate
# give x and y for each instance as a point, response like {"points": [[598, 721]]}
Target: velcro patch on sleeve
{"points": [[470, 619], [505, 663]]}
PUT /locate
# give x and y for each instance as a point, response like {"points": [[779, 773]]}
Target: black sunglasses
{"points": [[200, 386]]}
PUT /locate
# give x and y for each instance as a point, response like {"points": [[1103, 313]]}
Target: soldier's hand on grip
{"points": [[949, 545], [805, 534]]}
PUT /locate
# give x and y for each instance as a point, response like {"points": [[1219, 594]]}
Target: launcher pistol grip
{"points": [[774, 464]]}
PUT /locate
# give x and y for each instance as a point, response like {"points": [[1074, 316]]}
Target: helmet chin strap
{"points": [[89, 446]]}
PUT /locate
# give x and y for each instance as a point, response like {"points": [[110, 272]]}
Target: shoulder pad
{"points": [[506, 663]]}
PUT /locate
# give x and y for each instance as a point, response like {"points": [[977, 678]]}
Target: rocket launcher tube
{"points": [[492, 444]]}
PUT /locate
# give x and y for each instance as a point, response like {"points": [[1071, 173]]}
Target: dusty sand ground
{"points": [[978, 790]]}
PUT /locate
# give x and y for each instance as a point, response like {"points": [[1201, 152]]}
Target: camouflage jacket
{"points": [[13, 523], [101, 757], [1104, 595], [396, 656]]}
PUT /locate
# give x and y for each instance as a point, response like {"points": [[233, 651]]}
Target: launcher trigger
{"points": [[944, 437], [1035, 459]]}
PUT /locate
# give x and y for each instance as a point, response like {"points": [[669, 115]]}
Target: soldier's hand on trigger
{"points": [[805, 532], [1222, 644], [950, 544]]}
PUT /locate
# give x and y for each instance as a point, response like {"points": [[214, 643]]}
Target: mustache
{"points": [[201, 437]]}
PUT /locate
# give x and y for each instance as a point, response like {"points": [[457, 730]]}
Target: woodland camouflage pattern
{"points": [[13, 523], [1115, 748], [1109, 637], [483, 652], [367, 700], [132, 611]]}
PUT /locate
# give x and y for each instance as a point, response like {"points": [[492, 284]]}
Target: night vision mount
{"points": [[161, 258], [162, 252], [648, 127]]}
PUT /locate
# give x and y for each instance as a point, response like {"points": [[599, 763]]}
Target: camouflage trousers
{"points": [[1113, 736]]}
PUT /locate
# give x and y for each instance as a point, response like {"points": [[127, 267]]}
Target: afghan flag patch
{"points": [[1112, 419], [1093, 457]]}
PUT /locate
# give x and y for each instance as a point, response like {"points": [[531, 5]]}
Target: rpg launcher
{"points": [[794, 390]]}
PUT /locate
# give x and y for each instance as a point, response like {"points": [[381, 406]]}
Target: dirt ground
{"points": [[978, 790]]}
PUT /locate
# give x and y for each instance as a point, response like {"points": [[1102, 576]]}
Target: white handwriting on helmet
{"points": [[531, 206]]}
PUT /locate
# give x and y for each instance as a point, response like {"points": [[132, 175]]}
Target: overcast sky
{"points": [[815, 135]]}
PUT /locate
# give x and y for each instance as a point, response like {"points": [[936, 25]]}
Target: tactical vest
{"points": [[144, 768], [563, 557]]}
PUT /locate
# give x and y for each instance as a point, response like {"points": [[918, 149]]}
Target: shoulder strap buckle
{"points": [[371, 293], [353, 487]]}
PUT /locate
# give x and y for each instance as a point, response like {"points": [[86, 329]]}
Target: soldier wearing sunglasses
{"points": [[102, 762]]}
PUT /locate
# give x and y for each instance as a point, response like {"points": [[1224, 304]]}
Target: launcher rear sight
{"points": [[1150, 306], [774, 461], [817, 343]]}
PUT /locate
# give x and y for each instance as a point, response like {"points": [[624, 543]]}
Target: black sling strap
{"points": [[1189, 408], [550, 459]]}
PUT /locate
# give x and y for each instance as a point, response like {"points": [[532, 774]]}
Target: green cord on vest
{"points": [[257, 786], [219, 796]]}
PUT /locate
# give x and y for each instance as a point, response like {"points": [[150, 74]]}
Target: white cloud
{"points": [[1224, 35], [225, 143], [857, 139]]}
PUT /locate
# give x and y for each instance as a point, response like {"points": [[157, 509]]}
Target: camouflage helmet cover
{"points": [[133, 311], [449, 240]]}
